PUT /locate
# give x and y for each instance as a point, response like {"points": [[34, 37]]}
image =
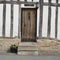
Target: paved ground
{"points": [[17, 57]]}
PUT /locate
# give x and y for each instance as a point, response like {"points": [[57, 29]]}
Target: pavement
{"points": [[12, 56], [15, 57]]}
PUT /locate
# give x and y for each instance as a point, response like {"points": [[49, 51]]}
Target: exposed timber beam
{"points": [[41, 18], [16, 2], [11, 26], [4, 19], [19, 22], [56, 19], [49, 20], [20, 2], [51, 4]]}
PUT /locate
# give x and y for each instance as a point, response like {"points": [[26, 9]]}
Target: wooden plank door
{"points": [[28, 32]]}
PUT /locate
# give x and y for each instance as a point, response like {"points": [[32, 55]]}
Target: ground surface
{"points": [[17, 57], [44, 46]]}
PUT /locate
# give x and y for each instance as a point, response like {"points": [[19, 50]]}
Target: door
{"points": [[28, 25]]}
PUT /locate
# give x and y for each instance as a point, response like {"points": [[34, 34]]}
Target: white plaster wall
{"points": [[15, 20], [38, 22], [1, 18], [21, 0], [31, 0], [8, 20], [53, 1], [45, 0], [53, 13], [59, 23], [36, 0], [58, 1], [45, 21], [7, 0]]}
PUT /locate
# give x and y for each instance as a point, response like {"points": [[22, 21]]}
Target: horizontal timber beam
{"points": [[51, 4], [22, 2], [16, 2]]}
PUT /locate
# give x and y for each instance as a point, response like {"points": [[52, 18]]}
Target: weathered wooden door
{"points": [[28, 32]]}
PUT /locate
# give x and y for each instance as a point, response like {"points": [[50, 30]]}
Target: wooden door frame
{"points": [[35, 26]]}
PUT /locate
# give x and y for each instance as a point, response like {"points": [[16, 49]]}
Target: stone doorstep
{"points": [[28, 53], [30, 48], [27, 48], [28, 44]]}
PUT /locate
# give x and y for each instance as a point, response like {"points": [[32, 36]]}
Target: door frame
{"points": [[35, 26]]}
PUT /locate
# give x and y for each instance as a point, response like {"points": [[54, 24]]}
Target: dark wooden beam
{"points": [[11, 26], [20, 2], [16, 2], [56, 19], [19, 22], [41, 18], [51, 4], [49, 20], [4, 19]]}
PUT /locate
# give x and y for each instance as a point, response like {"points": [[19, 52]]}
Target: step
{"points": [[28, 44], [27, 52], [27, 48]]}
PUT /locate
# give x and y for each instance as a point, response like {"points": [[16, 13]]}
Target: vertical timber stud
{"points": [[56, 19], [4, 19], [19, 22], [11, 30], [41, 18], [49, 19]]}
